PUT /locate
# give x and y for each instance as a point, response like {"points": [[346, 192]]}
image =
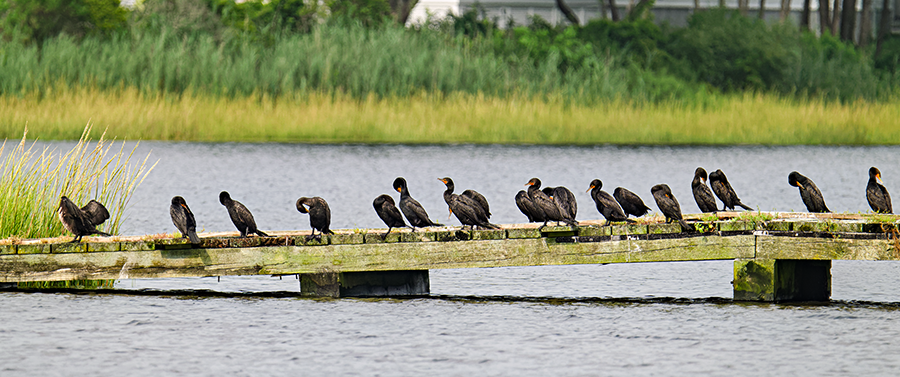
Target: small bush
{"points": [[734, 53]]}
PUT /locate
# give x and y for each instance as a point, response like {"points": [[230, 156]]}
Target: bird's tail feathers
{"points": [[193, 237], [261, 233], [744, 206], [686, 227]]}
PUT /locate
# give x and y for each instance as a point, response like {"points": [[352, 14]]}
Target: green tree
{"points": [[34, 21]]}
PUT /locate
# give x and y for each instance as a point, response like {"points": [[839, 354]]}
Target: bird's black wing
{"points": [[95, 212]]}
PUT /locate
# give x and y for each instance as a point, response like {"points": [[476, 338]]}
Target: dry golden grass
{"points": [[738, 119]]}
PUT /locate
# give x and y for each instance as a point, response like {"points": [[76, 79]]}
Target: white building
{"points": [[675, 12]]}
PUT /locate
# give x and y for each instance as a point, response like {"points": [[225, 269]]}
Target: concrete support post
{"points": [[782, 280], [365, 284]]}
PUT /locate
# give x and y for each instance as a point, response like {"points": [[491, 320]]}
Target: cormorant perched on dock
{"points": [[388, 212], [411, 208], [702, 194], [877, 194], [548, 208], [527, 207], [183, 219], [669, 206], [810, 194], [469, 211], [319, 215], [240, 215], [565, 199], [631, 203], [82, 221], [723, 190], [606, 204]]}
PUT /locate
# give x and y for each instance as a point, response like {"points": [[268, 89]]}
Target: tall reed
{"points": [[32, 182]]}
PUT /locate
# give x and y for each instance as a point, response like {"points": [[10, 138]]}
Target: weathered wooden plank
{"points": [[362, 257], [835, 248]]}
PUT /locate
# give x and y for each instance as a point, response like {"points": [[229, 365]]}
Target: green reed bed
{"points": [[345, 60], [33, 180]]}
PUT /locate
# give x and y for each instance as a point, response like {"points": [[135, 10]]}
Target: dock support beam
{"points": [[782, 280], [365, 284]]}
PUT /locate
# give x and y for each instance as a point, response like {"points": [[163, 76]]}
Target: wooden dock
{"points": [[777, 256]]}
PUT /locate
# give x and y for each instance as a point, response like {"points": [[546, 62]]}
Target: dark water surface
{"points": [[555, 320]]}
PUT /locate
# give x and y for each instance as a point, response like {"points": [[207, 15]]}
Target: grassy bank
{"points": [[461, 118]]}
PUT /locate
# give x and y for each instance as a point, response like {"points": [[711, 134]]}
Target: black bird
{"points": [[319, 215], [478, 198], [565, 199], [469, 211], [413, 211], [527, 207], [723, 190], [669, 206], [388, 212], [810, 194], [702, 194], [240, 215], [606, 204], [548, 208], [82, 221], [183, 219], [876, 194], [630, 202]]}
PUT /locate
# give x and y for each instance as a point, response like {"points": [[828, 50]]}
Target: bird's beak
{"points": [[878, 176], [529, 184], [398, 189], [800, 185], [703, 179], [185, 207], [589, 189]]}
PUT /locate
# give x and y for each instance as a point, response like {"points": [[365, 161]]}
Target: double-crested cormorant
{"points": [[877, 194], [630, 202], [413, 211], [723, 190], [669, 206], [240, 215], [82, 221], [469, 211], [702, 194], [319, 215], [388, 212], [565, 199], [810, 194], [606, 204], [527, 207], [183, 219], [548, 208]]}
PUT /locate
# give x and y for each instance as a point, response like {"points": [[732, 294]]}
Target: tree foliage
{"points": [[34, 21]]}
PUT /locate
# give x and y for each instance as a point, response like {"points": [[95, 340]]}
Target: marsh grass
{"points": [[33, 180], [455, 118]]}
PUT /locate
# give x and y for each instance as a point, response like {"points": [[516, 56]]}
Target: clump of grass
{"points": [[756, 217], [32, 182]]}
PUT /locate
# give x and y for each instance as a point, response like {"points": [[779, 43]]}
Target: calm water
{"points": [[573, 320]]}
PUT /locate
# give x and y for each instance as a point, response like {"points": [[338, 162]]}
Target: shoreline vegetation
{"points": [[738, 119], [32, 180], [349, 72]]}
